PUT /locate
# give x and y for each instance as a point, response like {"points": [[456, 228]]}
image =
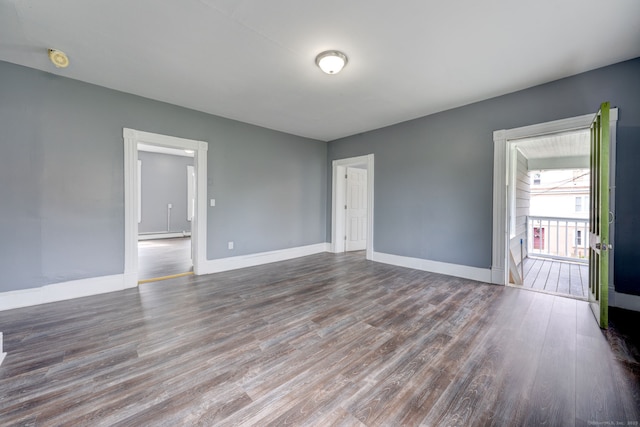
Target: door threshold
{"points": [[171, 276]]}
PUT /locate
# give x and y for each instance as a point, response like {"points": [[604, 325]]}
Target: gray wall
{"points": [[61, 175], [627, 223], [164, 181], [62, 179], [433, 175]]}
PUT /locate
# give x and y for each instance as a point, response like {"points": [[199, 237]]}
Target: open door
{"points": [[599, 246]]}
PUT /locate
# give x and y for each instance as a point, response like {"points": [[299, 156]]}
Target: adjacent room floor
{"points": [[164, 257], [321, 340]]}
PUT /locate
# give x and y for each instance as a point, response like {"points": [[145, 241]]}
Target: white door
{"points": [[356, 210]]}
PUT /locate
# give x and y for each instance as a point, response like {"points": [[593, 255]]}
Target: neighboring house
{"points": [[560, 193], [559, 213]]}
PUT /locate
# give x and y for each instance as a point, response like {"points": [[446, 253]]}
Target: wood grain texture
{"points": [[321, 340], [164, 257], [556, 277]]}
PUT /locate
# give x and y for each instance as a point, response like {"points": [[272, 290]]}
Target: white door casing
{"points": [[132, 138]]}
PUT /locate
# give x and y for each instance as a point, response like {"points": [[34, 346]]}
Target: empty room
{"points": [[358, 213]]}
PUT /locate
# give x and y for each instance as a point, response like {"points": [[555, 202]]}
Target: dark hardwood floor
{"points": [[164, 257], [320, 340]]}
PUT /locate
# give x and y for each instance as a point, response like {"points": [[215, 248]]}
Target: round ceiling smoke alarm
{"points": [[59, 58]]}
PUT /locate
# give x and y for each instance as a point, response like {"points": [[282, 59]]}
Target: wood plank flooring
{"points": [[558, 277], [164, 257], [321, 340]]}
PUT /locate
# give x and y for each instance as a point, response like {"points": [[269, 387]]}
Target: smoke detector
{"points": [[58, 58]]}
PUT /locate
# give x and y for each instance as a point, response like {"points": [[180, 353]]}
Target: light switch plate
{"points": [[213, 202]]}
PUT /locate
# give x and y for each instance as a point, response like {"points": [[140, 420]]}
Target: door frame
{"points": [[132, 138], [338, 191], [502, 144]]}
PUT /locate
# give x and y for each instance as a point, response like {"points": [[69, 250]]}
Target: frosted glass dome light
{"points": [[331, 61]]}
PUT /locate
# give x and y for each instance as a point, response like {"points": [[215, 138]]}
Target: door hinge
{"points": [[345, 237], [346, 176], [345, 206]]}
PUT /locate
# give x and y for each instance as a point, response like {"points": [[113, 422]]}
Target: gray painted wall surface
{"points": [[62, 179], [627, 223], [164, 181], [433, 175]]}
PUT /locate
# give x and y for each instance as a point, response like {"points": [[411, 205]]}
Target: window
{"points": [[578, 237], [582, 203], [536, 179]]}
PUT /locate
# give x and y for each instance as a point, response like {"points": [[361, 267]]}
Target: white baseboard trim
{"points": [[2, 353], [626, 301], [62, 291], [242, 261], [155, 236], [463, 271], [497, 276]]}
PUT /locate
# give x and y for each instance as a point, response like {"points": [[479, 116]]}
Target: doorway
{"points": [[504, 141], [132, 138], [165, 212], [548, 215], [356, 209], [352, 205]]}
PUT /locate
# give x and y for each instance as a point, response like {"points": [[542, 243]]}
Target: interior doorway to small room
{"points": [[548, 213], [352, 205], [166, 208], [132, 189]]}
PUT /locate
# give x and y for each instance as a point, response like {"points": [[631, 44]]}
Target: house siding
{"points": [[522, 205]]}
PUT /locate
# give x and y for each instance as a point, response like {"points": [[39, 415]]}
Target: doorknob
{"points": [[604, 247]]}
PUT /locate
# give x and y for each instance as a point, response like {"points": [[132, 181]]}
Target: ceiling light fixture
{"points": [[331, 61], [58, 57]]}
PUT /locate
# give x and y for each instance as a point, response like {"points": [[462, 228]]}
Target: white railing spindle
{"points": [[561, 243]]}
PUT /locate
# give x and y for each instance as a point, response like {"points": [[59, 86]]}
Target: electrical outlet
{"points": [[230, 245]]}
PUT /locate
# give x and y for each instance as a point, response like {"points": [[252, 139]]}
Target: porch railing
{"points": [[559, 238]]}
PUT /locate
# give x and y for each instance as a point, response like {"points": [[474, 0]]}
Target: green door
{"points": [[599, 246]]}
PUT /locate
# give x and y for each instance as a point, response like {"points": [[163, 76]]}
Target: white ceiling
{"points": [[570, 144], [253, 60]]}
